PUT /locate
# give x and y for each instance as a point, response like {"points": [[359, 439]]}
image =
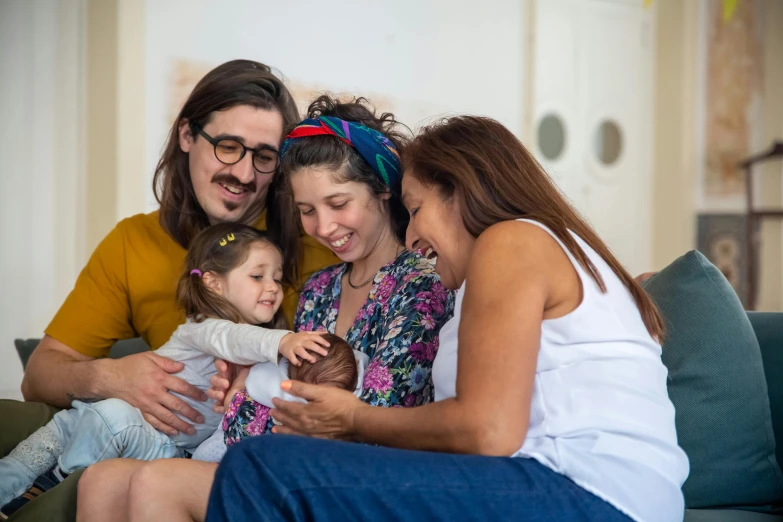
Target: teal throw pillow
{"points": [[717, 385]]}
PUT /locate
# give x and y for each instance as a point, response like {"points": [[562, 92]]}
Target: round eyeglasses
{"points": [[230, 151]]}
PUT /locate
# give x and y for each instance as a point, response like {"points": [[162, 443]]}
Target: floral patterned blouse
{"points": [[397, 328]]}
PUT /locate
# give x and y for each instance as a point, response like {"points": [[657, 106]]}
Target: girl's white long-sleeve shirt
{"points": [[197, 345]]}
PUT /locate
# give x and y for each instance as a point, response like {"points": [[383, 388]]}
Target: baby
{"points": [[247, 411]]}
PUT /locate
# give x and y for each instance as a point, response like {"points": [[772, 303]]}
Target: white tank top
{"points": [[600, 413]]}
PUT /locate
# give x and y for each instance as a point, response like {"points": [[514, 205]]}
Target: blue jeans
{"points": [[79, 437], [277, 477]]}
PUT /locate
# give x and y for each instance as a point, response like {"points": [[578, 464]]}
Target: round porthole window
{"points": [[551, 136], [608, 142]]}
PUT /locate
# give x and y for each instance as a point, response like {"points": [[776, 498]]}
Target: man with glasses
{"points": [[219, 165]]}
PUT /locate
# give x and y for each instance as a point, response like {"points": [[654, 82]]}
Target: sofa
{"points": [[768, 328], [710, 364]]}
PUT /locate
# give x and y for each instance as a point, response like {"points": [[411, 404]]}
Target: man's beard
{"points": [[250, 214], [230, 179]]}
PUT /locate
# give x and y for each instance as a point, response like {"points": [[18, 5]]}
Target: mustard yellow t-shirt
{"points": [[128, 288]]}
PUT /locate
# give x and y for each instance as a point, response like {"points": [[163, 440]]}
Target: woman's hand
{"points": [[300, 344], [220, 383], [329, 413], [238, 384]]}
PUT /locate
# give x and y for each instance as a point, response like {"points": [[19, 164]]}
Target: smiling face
{"points": [[345, 217], [437, 224], [231, 193], [255, 287]]}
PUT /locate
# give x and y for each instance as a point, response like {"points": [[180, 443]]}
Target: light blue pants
{"points": [[79, 437]]}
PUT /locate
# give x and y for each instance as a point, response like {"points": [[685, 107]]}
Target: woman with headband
{"points": [[341, 167]]}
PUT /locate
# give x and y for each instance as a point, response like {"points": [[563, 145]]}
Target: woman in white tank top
{"points": [[551, 399]]}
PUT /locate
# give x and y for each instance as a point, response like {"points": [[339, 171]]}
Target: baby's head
{"points": [[233, 272], [337, 368]]}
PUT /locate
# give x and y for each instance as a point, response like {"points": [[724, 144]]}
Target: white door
{"points": [[593, 73]]}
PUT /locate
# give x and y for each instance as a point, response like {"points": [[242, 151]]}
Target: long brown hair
{"points": [[212, 250], [494, 178], [332, 153], [337, 368], [238, 82]]}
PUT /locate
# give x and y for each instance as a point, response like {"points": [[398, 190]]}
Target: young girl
{"points": [[231, 283]]}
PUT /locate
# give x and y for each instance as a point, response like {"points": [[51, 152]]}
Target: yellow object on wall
{"points": [[729, 7]]}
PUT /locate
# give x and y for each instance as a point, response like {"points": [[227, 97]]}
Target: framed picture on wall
{"points": [[721, 238]]}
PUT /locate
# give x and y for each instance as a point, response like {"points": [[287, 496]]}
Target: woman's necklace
{"points": [[362, 285], [357, 287]]}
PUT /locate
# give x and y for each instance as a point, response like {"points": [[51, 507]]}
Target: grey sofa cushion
{"points": [[128, 347], [25, 347]]}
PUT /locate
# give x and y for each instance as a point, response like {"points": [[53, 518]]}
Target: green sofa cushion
{"points": [[728, 515], [769, 331], [25, 347], [717, 385]]}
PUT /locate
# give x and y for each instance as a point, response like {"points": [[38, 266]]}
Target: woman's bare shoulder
{"points": [[520, 239]]}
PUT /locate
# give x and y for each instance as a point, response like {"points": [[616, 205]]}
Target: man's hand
{"points": [[144, 380]]}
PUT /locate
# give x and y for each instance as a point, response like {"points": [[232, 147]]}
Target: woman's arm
{"points": [[509, 287]]}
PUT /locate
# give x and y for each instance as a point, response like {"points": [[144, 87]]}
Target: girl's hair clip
{"points": [[224, 240]]}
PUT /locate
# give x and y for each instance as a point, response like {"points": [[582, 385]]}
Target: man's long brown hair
{"points": [[494, 178], [238, 82]]}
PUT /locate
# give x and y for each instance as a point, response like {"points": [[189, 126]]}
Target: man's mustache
{"points": [[230, 179]]}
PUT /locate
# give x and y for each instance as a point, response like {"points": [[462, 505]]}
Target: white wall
{"points": [[40, 186], [131, 96], [428, 58]]}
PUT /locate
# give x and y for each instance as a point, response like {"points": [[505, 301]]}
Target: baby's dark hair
{"points": [[337, 368], [218, 249], [332, 153]]}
